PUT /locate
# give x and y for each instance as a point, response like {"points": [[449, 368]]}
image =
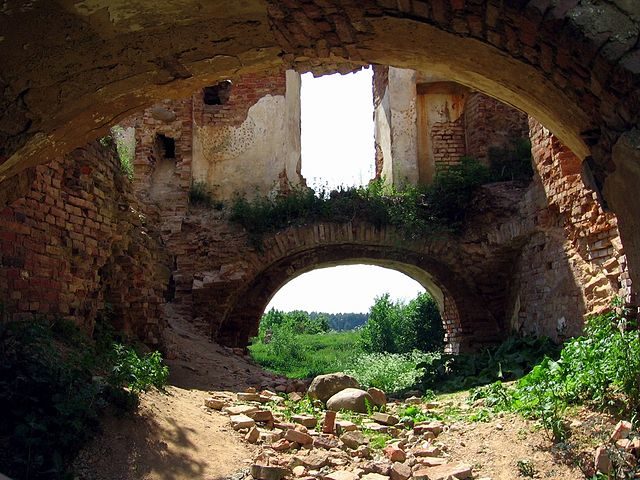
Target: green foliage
{"points": [[507, 361], [126, 147], [396, 327], [538, 395], [377, 440], [138, 373], [495, 396], [526, 468], [414, 211], [512, 162], [391, 372], [199, 194], [312, 354], [54, 381], [601, 368], [305, 406]]}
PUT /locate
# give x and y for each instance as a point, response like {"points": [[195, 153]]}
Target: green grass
{"points": [[317, 354]]}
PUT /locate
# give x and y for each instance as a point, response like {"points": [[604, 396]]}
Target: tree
{"points": [[395, 327]]}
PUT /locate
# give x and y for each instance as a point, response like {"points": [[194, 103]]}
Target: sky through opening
{"points": [[338, 150], [337, 129]]}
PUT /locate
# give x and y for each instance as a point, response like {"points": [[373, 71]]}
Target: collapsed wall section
{"points": [[79, 241], [248, 142], [425, 123], [573, 264]]}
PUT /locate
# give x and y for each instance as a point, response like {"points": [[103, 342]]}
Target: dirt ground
{"points": [[173, 436]]}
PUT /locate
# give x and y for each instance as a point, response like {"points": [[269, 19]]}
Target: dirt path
{"points": [[173, 436]]}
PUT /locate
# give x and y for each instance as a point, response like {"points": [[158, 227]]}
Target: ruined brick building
{"points": [[76, 235]]}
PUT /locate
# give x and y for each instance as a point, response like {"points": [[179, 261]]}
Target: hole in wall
{"points": [[337, 140], [217, 94], [167, 146]]}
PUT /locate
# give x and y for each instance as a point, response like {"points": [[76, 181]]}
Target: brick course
{"points": [[77, 241]]}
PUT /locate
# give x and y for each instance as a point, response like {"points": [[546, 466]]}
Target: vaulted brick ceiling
{"points": [[72, 68]]}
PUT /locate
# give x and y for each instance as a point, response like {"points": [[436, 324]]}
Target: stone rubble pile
{"points": [[620, 453], [337, 445]]}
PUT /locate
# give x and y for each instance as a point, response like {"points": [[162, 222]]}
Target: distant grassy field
{"points": [[315, 354]]}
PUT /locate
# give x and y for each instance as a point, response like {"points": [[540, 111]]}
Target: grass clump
{"points": [[54, 383], [199, 194]]}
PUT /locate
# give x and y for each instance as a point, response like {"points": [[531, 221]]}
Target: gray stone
{"points": [[265, 472], [352, 399], [354, 439], [163, 114], [323, 387]]}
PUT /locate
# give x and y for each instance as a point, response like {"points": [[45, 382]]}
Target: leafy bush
{"points": [[54, 381], [396, 327], [391, 372], [601, 368], [138, 373], [508, 361]]}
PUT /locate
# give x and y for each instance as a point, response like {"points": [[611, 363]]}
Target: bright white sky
{"points": [[338, 149], [337, 129], [349, 288]]}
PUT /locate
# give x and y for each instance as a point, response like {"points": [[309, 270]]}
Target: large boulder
{"points": [[352, 399], [323, 387]]}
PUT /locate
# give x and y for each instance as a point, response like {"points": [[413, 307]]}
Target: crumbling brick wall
{"points": [[448, 143], [574, 264], [79, 240], [491, 123], [244, 92]]}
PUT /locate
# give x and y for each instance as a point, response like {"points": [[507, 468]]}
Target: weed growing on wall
{"points": [[199, 194], [415, 211], [54, 382]]}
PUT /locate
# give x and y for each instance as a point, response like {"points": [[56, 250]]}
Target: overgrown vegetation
{"points": [[391, 372], [126, 147], [414, 211], [600, 369], [54, 382], [199, 194], [386, 353]]}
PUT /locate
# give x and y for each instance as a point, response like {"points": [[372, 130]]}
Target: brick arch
{"points": [[438, 264], [69, 71]]}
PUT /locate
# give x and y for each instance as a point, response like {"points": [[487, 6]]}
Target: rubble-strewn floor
{"points": [[175, 436]]}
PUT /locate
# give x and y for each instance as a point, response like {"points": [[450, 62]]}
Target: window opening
{"points": [[167, 145], [217, 94], [337, 138]]}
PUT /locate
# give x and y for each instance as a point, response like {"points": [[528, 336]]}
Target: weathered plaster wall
{"points": [[424, 123], [259, 154], [441, 127], [78, 240], [395, 133]]}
